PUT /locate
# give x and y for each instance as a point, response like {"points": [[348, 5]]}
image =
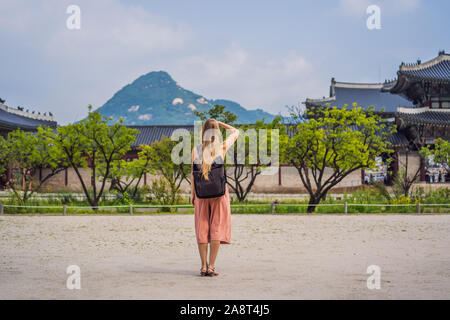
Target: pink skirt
{"points": [[213, 219]]}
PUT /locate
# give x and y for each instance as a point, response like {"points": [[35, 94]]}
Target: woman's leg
{"points": [[213, 250], [203, 250]]}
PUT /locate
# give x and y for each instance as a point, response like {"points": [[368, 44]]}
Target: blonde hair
{"points": [[210, 142]]}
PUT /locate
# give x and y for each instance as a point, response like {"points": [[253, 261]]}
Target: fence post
{"points": [[64, 210], [272, 206], [1, 207], [418, 207], [345, 207], [131, 208]]}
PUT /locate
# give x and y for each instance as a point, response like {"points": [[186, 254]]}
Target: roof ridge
{"points": [[419, 65], [321, 99], [26, 114], [361, 85]]}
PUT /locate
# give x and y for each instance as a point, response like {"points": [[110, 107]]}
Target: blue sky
{"points": [[262, 54]]}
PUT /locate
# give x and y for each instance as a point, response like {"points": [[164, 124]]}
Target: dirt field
{"points": [[271, 257]]}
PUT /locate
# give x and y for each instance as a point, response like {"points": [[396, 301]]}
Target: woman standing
{"points": [[209, 193]]}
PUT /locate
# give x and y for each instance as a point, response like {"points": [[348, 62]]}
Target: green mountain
{"points": [[156, 99]]}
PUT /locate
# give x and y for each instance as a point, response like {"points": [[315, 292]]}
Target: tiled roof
{"points": [[427, 117], [150, 134], [437, 70], [364, 95], [397, 139], [15, 121]]}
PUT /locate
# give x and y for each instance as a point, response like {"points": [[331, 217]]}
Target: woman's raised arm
{"points": [[231, 139]]}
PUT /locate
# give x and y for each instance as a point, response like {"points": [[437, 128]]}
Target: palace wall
{"points": [[290, 181]]}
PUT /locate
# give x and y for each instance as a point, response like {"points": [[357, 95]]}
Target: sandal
{"points": [[204, 271], [212, 272]]}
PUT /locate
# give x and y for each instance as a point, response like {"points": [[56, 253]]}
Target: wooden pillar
{"points": [[145, 178], [393, 168], [422, 169], [40, 174], [279, 175], [66, 177], [252, 172], [396, 164], [362, 176]]}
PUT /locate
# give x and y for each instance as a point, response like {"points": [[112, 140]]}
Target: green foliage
{"points": [[440, 152], [339, 139], [3, 160], [27, 152], [92, 141], [219, 113], [125, 176], [240, 177], [163, 193], [251, 139], [161, 163], [360, 199]]}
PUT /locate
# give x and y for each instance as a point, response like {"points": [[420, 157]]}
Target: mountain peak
{"points": [[155, 77], [156, 99]]}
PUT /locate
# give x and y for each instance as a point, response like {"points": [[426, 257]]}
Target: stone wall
{"points": [[290, 181], [413, 162]]}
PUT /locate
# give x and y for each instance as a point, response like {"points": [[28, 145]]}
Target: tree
{"points": [[125, 176], [249, 165], [296, 114], [218, 112], [338, 140], [246, 167], [440, 153], [30, 152], [160, 162], [403, 180], [92, 143], [3, 158]]}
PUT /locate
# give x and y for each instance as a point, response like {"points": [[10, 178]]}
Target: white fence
{"points": [[270, 206]]}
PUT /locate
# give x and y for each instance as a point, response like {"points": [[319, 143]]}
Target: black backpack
{"points": [[215, 186]]}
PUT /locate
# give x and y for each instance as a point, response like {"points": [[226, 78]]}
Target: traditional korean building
{"points": [[17, 118], [427, 87], [417, 101], [364, 94]]}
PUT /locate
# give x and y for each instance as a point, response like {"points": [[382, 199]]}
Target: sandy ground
{"points": [[271, 257]]}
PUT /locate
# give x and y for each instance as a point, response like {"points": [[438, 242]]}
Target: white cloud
{"points": [[146, 116], [202, 100], [177, 101], [192, 107], [254, 80], [117, 43], [133, 108]]}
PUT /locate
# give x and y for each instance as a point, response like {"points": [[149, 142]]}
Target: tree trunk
{"points": [[312, 202]]}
